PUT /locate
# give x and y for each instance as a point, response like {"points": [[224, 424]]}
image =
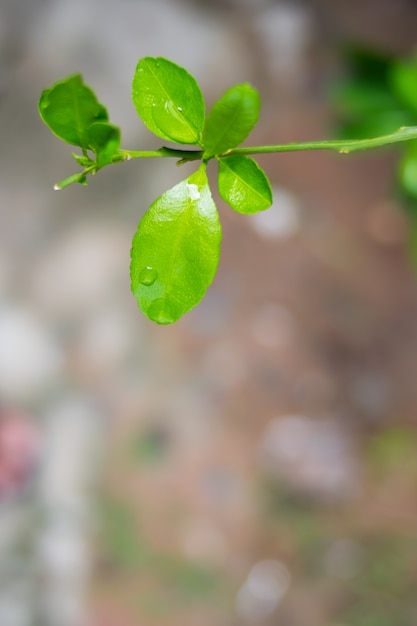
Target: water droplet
{"points": [[148, 276], [179, 108], [344, 151], [160, 313], [57, 188], [194, 192]]}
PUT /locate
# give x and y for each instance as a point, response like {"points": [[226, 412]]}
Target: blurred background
{"points": [[256, 463]]}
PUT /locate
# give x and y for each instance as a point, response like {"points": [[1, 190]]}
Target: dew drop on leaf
{"points": [[160, 313], [148, 276]]}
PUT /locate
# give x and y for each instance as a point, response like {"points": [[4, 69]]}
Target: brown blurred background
{"points": [[256, 463]]}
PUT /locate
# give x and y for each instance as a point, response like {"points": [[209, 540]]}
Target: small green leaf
{"points": [[231, 119], [82, 160], [168, 100], [69, 108], [243, 184], [104, 140], [176, 250]]}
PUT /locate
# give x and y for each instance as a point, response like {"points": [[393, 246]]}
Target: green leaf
{"points": [[243, 184], [403, 81], [82, 160], [176, 250], [408, 171], [231, 119], [169, 100], [69, 108], [104, 140]]}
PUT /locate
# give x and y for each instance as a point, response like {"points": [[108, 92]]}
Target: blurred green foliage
{"points": [[383, 593], [378, 95], [127, 553], [393, 449], [380, 589]]}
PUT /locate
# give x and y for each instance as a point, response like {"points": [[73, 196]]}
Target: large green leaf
{"points": [[243, 184], [231, 119], [69, 108], [176, 250], [169, 100], [104, 140]]}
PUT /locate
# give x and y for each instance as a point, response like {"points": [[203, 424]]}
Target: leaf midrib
{"points": [[238, 107], [172, 100], [245, 183]]}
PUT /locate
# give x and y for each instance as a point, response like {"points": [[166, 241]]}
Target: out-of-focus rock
{"points": [[261, 594], [314, 457]]}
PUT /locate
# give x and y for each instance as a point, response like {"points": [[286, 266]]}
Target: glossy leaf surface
{"points": [[231, 119], [69, 108], [243, 184], [168, 100], [176, 250], [104, 140]]}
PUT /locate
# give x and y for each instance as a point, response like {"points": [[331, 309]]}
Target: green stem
{"points": [[405, 133], [187, 155], [344, 146]]}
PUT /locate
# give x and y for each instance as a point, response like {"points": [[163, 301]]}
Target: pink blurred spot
{"points": [[19, 450]]}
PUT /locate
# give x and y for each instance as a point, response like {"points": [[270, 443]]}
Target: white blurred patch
{"points": [[104, 343], [64, 549], [285, 30], [71, 452], [29, 359], [81, 271], [281, 220], [266, 584], [313, 456]]}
